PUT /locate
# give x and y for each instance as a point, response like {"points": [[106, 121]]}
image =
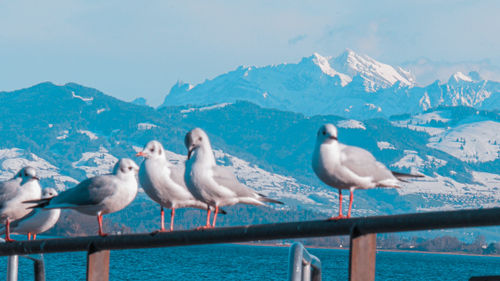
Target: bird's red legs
{"points": [[172, 215], [99, 220], [162, 223], [29, 235], [208, 220], [215, 215], [340, 216], [7, 232], [351, 198], [34, 236]]}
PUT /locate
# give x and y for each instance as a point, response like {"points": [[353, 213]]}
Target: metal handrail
{"points": [[300, 264], [318, 228]]}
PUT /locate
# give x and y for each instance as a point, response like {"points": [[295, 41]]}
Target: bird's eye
{"points": [[130, 168], [199, 138], [152, 150]]}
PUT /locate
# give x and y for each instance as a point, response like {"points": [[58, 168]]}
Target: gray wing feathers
{"points": [[177, 174], [362, 163], [89, 192], [8, 190], [225, 176]]}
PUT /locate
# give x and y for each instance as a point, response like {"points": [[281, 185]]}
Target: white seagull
{"points": [[215, 185], [37, 221], [23, 186], [349, 167], [164, 182], [99, 195]]}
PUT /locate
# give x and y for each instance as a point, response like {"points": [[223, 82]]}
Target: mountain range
{"points": [[350, 85], [69, 132]]}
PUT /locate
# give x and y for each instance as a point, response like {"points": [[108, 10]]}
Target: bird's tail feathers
{"points": [[39, 203], [263, 198], [402, 176]]}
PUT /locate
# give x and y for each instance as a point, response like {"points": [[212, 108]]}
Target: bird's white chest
{"points": [[126, 190]]}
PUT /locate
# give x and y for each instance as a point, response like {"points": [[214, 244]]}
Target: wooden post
{"points": [[97, 265], [362, 256]]}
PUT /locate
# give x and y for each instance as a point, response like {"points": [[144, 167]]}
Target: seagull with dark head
{"points": [[349, 167]]}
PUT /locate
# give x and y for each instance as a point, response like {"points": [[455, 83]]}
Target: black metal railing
{"points": [[361, 229]]}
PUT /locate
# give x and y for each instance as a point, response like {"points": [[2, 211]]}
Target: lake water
{"points": [[245, 262]]}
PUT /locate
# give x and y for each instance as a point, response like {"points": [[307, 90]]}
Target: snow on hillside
{"points": [[146, 126], [13, 159], [87, 100], [96, 163], [415, 163], [385, 145], [432, 131], [459, 77], [324, 65], [375, 74], [205, 108], [91, 135], [441, 192], [473, 142], [351, 124]]}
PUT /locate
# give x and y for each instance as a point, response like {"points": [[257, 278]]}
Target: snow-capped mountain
{"points": [[374, 75], [350, 85]]}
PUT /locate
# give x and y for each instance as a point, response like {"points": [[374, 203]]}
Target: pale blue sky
{"points": [[141, 48]]}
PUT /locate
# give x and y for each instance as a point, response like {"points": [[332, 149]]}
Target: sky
{"points": [[131, 49]]}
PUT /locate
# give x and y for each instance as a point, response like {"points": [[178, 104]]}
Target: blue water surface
{"points": [[246, 262]]}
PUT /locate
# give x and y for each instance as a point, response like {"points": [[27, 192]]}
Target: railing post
{"points": [[362, 256], [302, 266], [12, 268], [97, 265], [39, 269]]}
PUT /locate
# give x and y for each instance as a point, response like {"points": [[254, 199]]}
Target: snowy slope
{"points": [[13, 159], [375, 74], [473, 142]]}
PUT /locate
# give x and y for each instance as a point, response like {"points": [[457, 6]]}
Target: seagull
{"points": [[215, 185], [37, 221], [99, 195], [349, 167], [164, 182], [23, 186]]}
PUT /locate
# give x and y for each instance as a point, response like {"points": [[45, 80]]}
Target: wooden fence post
{"points": [[97, 265], [362, 256]]}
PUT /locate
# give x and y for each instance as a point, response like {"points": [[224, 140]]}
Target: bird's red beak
{"points": [[140, 153]]}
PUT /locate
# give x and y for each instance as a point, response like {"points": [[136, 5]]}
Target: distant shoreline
{"points": [[378, 250]]}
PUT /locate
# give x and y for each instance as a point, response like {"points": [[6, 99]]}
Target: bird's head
{"points": [[153, 149], [195, 139], [49, 192], [125, 166], [327, 133], [27, 173]]}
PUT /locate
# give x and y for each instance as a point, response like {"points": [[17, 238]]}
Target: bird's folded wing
{"points": [[8, 190], [225, 176], [177, 174], [89, 192], [363, 164]]}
